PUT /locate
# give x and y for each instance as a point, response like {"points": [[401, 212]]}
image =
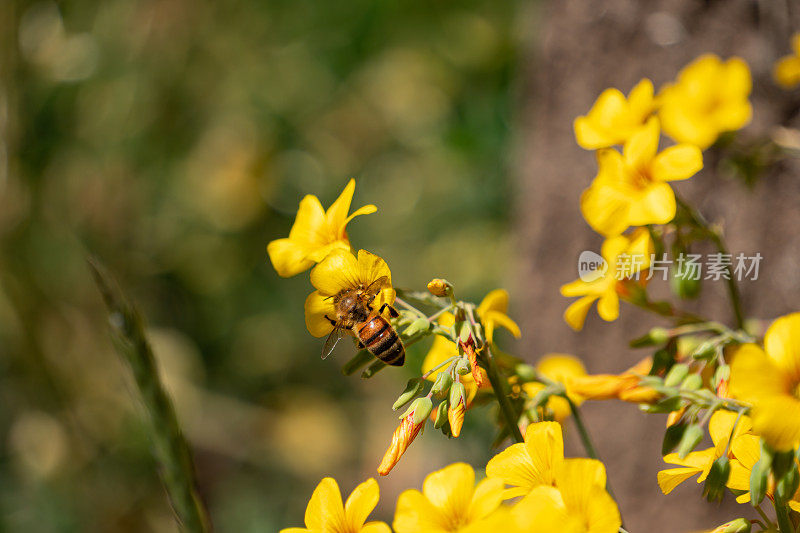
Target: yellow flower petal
{"points": [[746, 449], [640, 99], [501, 319], [608, 306], [289, 257], [605, 208], [560, 366], [575, 314], [654, 205], [325, 511], [672, 477], [317, 307], [543, 511], [777, 419], [755, 376], [496, 300], [309, 224], [582, 486], [415, 513], [782, 344], [376, 527], [545, 446], [677, 163], [360, 503], [450, 489], [337, 212], [337, 272], [642, 146], [366, 210], [487, 497]]}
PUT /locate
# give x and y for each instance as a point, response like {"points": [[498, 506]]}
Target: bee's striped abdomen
{"points": [[380, 338]]}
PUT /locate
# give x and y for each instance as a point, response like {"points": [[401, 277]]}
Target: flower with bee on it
{"points": [[315, 233]]}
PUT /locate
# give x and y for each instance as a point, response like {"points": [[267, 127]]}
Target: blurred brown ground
{"points": [[582, 48]]}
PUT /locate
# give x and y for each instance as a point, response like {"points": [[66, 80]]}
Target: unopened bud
{"points": [[714, 487], [705, 350], [672, 437], [420, 324], [525, 372], [740, 525], [655, 337], [421, 408], [455, 415], [439, 287], [441, 414], [462, 367], [676, 375], [413, 387], [684, 283], [759, 478], [442, 384], [692, 382], [458, 394], [690, 439]]}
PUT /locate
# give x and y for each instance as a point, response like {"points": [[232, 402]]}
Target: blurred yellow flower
{"points": [[709, 97], [632, 189], [527, 465], [719, 427], [560, 368], [624, 386], [326, 514], [613, 119], [578, 503], [315, 233], [339, 271], [624, 255], [787, 68], [492, 312], [443, 349], [449, 502], [769, 379]]}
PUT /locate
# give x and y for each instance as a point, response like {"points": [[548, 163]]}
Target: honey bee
{"points": [[354, 314]]}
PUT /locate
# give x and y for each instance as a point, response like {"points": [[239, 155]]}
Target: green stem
{"points": [[586, 439], [733, 289], [500, 393], [169, 445], [784, 523], [767, 521]]}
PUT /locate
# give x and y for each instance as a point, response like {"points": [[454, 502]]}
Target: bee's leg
{"points": [[360, 345], [329, 319], [392, 311]]}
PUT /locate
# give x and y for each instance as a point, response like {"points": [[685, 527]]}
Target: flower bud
{"points": [[714, 487], [690, 439], [413, 387], [525, 372], [420, 324], [442, 384], [462, 367], [787, 485], [672, 437], [655, 337], [722, 377], [455, 415], [740, 525], [705, 350], [759, 477], [421, 409], [676, 375], [472, 355], [692, 382], [402, 438], [439, 287], [458, 394], [684, 284], [441, 414]]}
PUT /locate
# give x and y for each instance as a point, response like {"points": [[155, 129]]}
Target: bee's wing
{"points": [[330, 343], [375, 287]]}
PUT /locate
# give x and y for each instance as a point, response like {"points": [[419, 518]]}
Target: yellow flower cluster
{"points": [[632, 187], [557, 495]]}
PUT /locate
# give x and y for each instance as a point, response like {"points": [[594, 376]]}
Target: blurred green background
{"points": [[174, 139]]}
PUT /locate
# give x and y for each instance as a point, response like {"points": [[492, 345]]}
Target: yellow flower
{"points": [[624, 386], [449, 501], [787, 68], [579, 502], [492, 312], [613, 119], [635, 250], [315, 233], [708, 98], [443, 349], [560, 368], [631, 188], [770, 380], [719, 427], [746, 451], [527, 465], [339, 271], [326, 514]]}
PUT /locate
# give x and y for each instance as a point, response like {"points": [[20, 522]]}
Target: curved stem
{"points": [[500, 393], [586, 439], [715, 237]]}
